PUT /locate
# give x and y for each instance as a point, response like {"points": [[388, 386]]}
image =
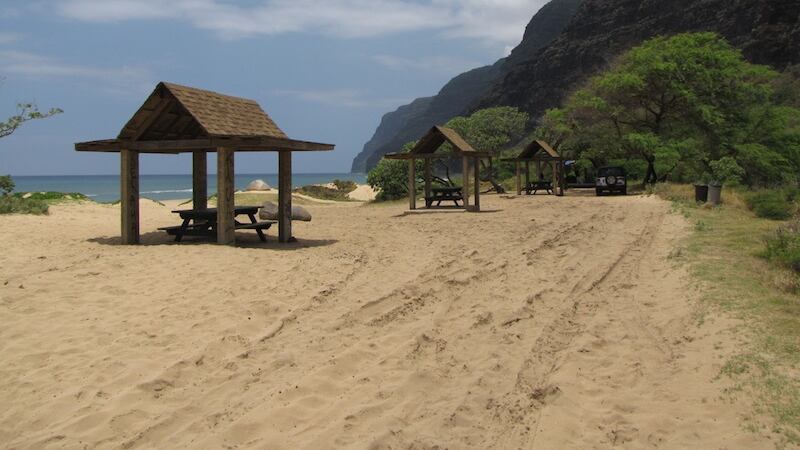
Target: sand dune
{"points": [[542, 323]]}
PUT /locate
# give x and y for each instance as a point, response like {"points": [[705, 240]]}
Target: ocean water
{"points": [[105, 188]]}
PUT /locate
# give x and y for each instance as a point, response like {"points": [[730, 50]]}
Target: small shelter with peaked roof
{"points": [[426, 148], [178, 119], [539, 151]]}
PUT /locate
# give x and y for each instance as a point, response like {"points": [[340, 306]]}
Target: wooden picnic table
{"points": [[203, 222], [535, 186], [440, 194]]}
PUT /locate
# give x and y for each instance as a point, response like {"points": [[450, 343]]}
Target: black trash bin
{"points": [[701, 193]]}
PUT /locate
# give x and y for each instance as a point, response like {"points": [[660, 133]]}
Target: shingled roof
{"points": [[175, 112], [433, 139], [531, 152]]}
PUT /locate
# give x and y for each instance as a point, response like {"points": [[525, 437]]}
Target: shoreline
{"points": [[362, 193]]}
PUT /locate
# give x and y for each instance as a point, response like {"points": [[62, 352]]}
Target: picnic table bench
{"points": [[203, 222], [441, 194], [536, 186]]}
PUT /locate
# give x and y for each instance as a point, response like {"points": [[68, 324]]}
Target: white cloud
{"points": [[124, 79], [495, 21], [350, 98]]}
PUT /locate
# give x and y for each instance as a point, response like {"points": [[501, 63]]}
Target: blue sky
{"points": [[324, 70]]}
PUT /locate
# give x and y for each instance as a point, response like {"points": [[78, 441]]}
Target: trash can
{"points": [[714, 194], [701, 193]]}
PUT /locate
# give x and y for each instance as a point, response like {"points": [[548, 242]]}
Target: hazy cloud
{"points": [[8, 38], [350, 98], [495, 21], [440, 64], [118, 80]]}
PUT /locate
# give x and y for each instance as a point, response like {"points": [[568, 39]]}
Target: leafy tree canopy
{"points": [[491, 129], [690, 106]]}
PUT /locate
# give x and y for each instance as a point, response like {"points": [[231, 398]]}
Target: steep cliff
{"points": [[767, 31], [411, 121]]}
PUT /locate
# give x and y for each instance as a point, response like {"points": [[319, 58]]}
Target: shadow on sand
{"points": [[444, 210], [243, 240]]}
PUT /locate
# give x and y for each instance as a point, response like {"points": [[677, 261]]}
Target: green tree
{"points": [[685, 103], [390, 176], [25, 113], [491, 130], [6, 185]]}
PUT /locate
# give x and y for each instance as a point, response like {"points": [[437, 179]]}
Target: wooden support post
{"points": [[129, 196], [539, 174], [226, 225], [465, 181], [285, 197], [562, 178], [199, 180], [555, 177], [412, 184], [527, 174], [516, 179], [428, 176], [477, 203]]}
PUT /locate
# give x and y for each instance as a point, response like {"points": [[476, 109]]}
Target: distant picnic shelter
{"points": [[541, 153], [178, 119], [426, 150]]}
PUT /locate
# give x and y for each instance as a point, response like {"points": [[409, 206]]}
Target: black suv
{"points": [[611, 179]]}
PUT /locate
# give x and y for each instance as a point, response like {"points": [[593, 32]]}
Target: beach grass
{"points": [[724, 253], [10, 204]]}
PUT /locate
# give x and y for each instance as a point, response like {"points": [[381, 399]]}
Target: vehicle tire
{"points": [[624, 190]]}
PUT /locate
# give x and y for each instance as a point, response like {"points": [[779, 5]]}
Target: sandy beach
{"points": [[541, 323]]}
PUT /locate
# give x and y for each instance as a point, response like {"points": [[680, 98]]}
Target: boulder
{"points": [[258, 185], [269, 211]]}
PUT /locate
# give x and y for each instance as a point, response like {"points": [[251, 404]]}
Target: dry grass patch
{"points": [[725, 254]]}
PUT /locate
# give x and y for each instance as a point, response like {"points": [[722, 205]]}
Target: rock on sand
{"points": [[269, 211], [258, 185]]}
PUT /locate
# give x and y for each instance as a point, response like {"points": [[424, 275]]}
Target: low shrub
{"points": [[10, 204], [784, 246], [345, 186], [323, 192], [51, 196], [771, 204]]}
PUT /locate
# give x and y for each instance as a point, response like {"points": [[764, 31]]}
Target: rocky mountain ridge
{"points": [[569, 40]]}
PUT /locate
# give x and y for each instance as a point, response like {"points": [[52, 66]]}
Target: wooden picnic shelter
{"points": [[426, 150], [541, 153], [178, 119]]}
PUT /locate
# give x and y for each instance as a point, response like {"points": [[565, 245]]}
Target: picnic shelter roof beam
{"points": [[239, 143]]}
